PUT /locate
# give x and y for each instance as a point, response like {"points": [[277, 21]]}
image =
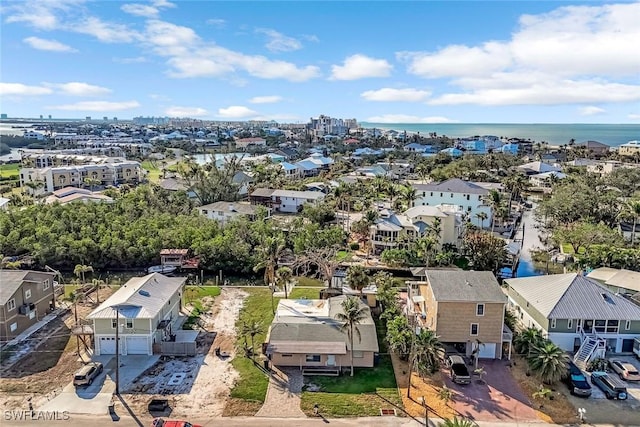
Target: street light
{"points": [[423, 401]]}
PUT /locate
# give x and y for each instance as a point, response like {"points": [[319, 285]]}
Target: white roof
{"points": [[622, 278], [140, 297], [432, 211]]}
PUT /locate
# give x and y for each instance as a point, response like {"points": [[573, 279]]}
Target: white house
{"points": [[147, 312], [287, 201], [455, 195], [4, 204]]}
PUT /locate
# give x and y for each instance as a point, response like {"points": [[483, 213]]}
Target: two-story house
{"points": [[144, 310], [461, 196], [464, 308], [576, 313], [224, 212], [287, 201], [25, 298]]}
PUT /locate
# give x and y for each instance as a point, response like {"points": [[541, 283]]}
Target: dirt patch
{"points": [[428, 387], [240, 408], [208, 378], [559, 410]]}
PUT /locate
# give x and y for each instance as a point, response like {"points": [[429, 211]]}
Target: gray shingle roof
{"points": [[10, 281], [140, 297], [241, 208], [454, 185], [472, 286], [262, 192], [571, 296], [301, 327]]}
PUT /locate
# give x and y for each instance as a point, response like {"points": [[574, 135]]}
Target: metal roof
{"points": [[572, 296], [467, 286], [140, 297], [238, 207], [423, 210], [307, 195], [309, 347]]}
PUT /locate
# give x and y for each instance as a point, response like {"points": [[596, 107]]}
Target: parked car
{"points": [[459, 371], [625, 370], [161, 422], [613, 388], [577, 382], [87, 374]]}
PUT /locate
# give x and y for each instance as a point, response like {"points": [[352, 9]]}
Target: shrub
{"points": [[354, 246]]}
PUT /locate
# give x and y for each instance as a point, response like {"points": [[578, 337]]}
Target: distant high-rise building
{"points": [[3, 116], [115, 119], [105, 118], [88, 118], [40, 116], [49, 116]]}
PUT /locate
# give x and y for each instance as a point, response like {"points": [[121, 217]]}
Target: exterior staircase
{"points": [[592, 347]]}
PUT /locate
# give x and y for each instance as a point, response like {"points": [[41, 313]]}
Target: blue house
{"points": [[509, 149], [453, 152]]}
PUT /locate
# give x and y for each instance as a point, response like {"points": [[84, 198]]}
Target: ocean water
{"points": [[554, 134]]}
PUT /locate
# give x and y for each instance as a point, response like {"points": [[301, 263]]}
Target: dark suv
{"points": [[577, 382], [613, 388]]}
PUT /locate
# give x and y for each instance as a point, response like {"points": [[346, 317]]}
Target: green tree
{"points": [[457, 422], [548, 361], [632, 211], [353, 313], [399, 336], [484, 251], [269, 251], [526, 340], [495, 201], [283, 278], [357, 277], [482, 216], [252, 329], [80, 271], [426, 352]]}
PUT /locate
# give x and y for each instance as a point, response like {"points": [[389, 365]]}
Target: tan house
{"points": [[25, 298], [305, 334], [145, 311], [464, 308], [244, 143]]}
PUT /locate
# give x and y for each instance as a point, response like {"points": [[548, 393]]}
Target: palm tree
{"points": [[81, 269], [252, 329], [425, 246], [549, 362], [482, 216], [494, 200], [457, 422], [445, 394], [270, 250], [527, 339], [357, 277], [354, 312], [283, 277], [632, 211], [409, 195], [426, 352]]}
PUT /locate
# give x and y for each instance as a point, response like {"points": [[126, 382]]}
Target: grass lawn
{"points": [[308, 281], [11, 170], [342, 256], [568, 249], [195, 295], [154, 171]]}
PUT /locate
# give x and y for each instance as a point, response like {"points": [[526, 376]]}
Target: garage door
{"points": [[107, 345], [487, 351], [137, 345]]}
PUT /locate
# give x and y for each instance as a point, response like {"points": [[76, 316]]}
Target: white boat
{"points": [[164, 269]]}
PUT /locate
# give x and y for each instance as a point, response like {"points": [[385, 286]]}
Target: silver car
{"points": [[87, 374], [625, 370]]}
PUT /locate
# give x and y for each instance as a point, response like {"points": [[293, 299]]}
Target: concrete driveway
{"points": [[96, 398], [498, 399]]}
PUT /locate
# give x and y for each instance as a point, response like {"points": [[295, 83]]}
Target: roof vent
{"points": [[467, 283], [144, 293]]}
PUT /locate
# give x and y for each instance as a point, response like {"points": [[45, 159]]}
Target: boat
{"points": [[164, 269]]}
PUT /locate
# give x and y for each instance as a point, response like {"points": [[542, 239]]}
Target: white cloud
{"points": [[217, 22], [185, 112], [265, 99], [107, 32], [591, 111], [399, 95], [278, 42], [573, 54], [550, 92], [39, 14], [406, 118], [23, 90], [78, 89], [633, 116], [236, 112], [311, 38], [360, 67], [99, 106], [163, 3], [159, 97], [50, 45], [132, 60], [138, 9]]}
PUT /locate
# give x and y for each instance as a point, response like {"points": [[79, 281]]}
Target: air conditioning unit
{"points": [[25, 309]]}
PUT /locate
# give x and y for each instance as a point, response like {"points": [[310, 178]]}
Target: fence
{"points": [[172, 348]]}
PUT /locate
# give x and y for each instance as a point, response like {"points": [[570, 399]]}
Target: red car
{"points": [[160, 422]]}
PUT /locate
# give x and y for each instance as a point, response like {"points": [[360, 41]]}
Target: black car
{"points": [[577, 382]]}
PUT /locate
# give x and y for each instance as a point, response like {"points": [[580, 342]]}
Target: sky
{"points": [[375, 61]]}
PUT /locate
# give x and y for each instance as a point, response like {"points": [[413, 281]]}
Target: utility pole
{"points": [[117, 350]]}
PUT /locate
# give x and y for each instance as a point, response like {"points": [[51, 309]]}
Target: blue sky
{"points": [[391, 62]]}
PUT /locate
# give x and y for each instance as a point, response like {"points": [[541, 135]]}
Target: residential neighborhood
{"points": [[183, 270]]}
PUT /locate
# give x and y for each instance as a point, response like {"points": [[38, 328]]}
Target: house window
{"points": [[315, 358], [452, 195], [479, 309], [114, 324], [468, 197], [612, 326], [14, 326], [287, 355], [553, 323], [205, 212], [358, 354], [129, 324], [600, 325], [45, 285], [440, 194], [11, 304], [27, 294], [474, 329], [627, 325], [570, 324]]}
